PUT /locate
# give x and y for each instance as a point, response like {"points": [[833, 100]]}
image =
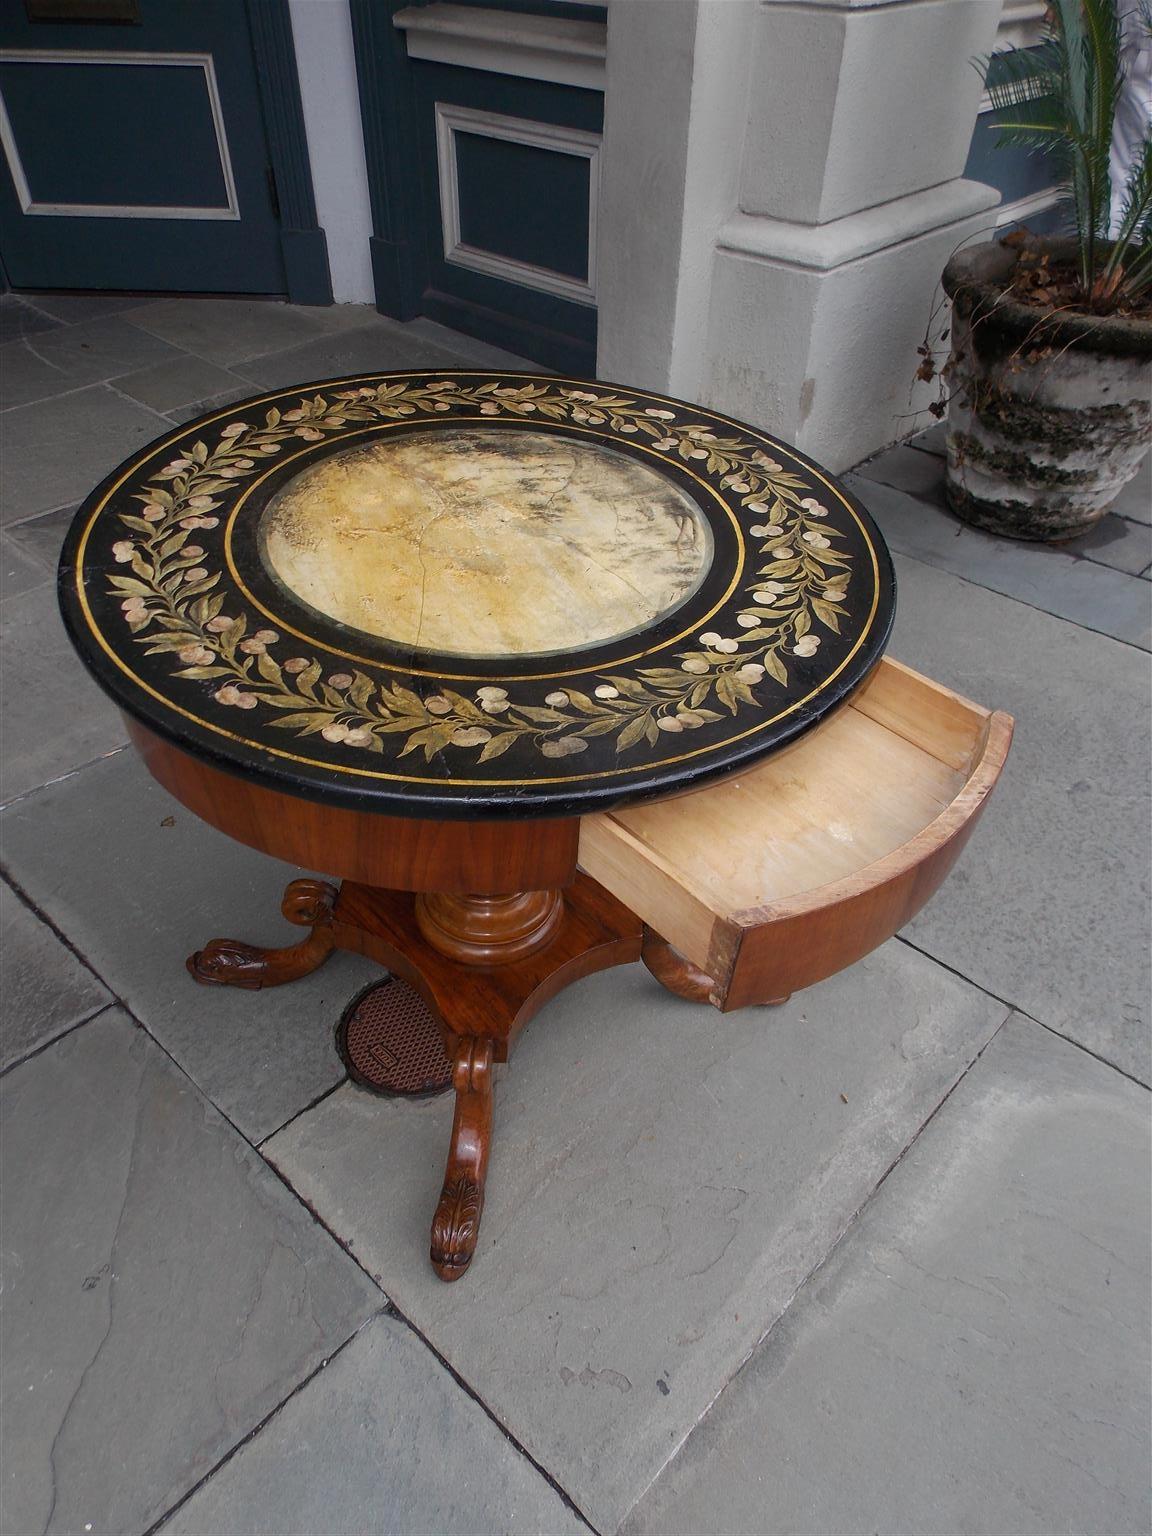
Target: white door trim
{"points": [[567, 51]]}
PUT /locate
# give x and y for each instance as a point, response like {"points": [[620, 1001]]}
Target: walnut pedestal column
{"points": [[489, 930]]}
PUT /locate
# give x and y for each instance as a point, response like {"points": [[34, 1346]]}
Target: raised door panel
{"points": [[509, 178]]}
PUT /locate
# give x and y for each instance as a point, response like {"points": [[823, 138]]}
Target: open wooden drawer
{"points": [[782, 875]]}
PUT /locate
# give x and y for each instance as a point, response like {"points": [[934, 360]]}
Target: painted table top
{"points": [[473, 594]]}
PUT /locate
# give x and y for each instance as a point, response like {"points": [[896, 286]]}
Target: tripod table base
{"points": [[481, 1007]]}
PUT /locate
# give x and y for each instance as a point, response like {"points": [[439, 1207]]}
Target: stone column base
{"points": [[813, 328]]}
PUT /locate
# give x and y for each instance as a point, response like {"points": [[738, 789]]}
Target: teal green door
{"points": [[509, 185], [134, 148]]}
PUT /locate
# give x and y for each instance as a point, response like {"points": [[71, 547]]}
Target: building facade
{"points": [[745, 202]]}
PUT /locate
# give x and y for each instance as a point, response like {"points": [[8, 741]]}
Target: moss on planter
{"points": [[978, 280], [1061, 429], [1017, 519], [1017, 466]]}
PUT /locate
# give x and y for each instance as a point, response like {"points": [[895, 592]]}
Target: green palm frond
{"points": [[1026, 83], [1136, 209], [1060, 98]]}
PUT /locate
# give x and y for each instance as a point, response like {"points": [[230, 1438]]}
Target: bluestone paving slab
{"points": [[1093, 596], [346, 317], [372, 349], [470, 349], [25, 376], [974, 1356], [179, 381], [19, 571], [44, 989], [662, 1180], [75, 355], [52, 715], [920, 474], [74, 308], [226, 331], [137, 883], [933, 440], [163, 1291], [382, 1440], [1116, 541], [179, 414], [1049, 908], [56, 451], [43, 537], [18, 318]]}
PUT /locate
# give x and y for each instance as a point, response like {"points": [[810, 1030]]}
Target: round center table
{"points": [[409, 628]]}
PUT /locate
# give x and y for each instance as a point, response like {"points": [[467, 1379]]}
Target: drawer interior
{"points": [[843, 797]]}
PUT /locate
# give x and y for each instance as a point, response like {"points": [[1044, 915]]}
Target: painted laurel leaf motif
{"points": [[171, 598]]}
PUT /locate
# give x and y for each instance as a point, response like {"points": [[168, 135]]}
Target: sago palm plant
{"points": [[1061, 98]]}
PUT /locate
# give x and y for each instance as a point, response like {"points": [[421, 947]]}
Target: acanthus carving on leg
{"points": [[456, 1224], [231, 963]]}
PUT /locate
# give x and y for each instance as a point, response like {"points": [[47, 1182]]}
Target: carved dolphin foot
{"points": [[456, 1224], [230, 963]]}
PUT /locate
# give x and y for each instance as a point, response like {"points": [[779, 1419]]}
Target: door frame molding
{"points": [[399, 259], [302, 241]]}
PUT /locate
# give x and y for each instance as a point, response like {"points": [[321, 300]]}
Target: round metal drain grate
{"points": [[391, 1043]]}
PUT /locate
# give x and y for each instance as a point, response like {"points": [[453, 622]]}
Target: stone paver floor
{"points": [[876, 1262]]}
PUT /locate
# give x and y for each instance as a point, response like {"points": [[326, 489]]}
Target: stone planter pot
{"points": [[1048, 416]]}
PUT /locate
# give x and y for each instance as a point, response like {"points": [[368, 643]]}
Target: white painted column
{"points": [[326, 65], [782, 187], [651, 58]]}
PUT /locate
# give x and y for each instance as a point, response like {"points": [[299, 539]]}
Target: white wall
{"points": [[647, 106], [781, 187], [327, 68]]}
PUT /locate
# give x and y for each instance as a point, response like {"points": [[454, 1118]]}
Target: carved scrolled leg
{"points": [[673, 972], [456, 1224], [230, 963], [682, 978]]}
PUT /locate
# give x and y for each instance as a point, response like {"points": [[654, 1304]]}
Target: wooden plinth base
{"points": [[482, 1003]]}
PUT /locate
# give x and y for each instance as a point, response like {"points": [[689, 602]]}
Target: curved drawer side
{"points": [[767, 952]]}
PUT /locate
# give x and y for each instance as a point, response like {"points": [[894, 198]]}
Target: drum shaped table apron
{"points": [[457, 638]]}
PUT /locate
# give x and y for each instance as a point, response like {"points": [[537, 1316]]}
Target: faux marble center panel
{"points": [[483, 542]]}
